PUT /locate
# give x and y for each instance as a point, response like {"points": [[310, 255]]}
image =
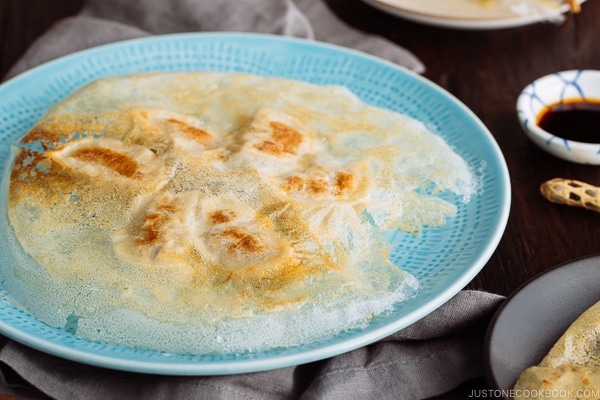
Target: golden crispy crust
{"points": [[195, 198]]}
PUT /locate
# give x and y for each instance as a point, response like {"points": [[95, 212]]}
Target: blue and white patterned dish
{"points": [[443, 259], [552, 89]]}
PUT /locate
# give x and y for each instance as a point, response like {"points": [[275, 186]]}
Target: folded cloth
{"points": [[107, 21], [428, 358]]}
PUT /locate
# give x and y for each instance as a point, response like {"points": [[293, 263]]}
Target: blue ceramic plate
{"points": [[443, 259]]}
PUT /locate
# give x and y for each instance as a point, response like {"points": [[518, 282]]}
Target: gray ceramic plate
{"points": [[533, 318]]}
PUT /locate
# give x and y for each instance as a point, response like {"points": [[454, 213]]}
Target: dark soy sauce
{"points": [[574, 119]]}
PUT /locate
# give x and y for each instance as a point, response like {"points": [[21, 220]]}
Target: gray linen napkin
{"points": [[107, 21], [428, 358]]}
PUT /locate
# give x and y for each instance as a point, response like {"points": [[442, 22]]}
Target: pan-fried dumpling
{"points": [[159, 227], [219, 212], [273, 143], [571, 369], [109, 159]]}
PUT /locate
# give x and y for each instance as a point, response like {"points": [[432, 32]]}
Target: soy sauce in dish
{"points": [[572, 119]]}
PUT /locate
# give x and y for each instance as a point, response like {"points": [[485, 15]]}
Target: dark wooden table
{"points": [[484, 69]]}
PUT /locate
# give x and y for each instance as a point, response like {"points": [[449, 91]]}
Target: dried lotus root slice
{"points": [[571, 192]]}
